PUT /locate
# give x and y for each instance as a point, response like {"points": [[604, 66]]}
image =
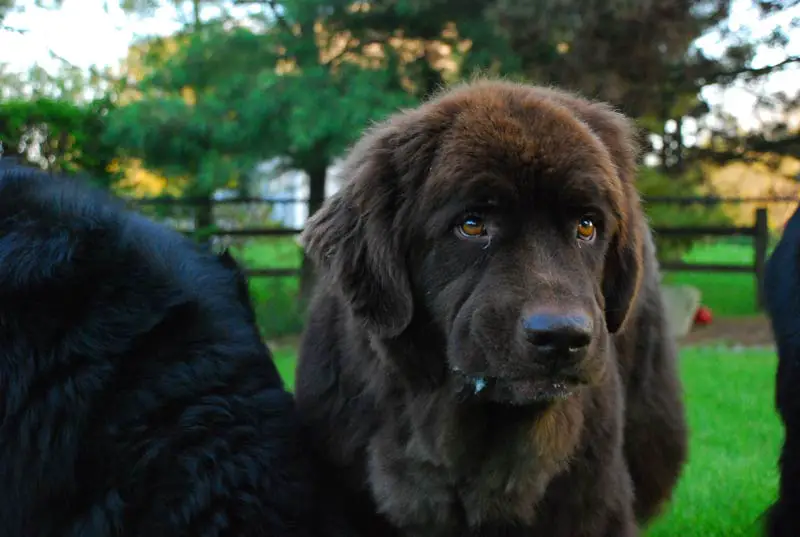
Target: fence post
{"points": [[760, 244]]}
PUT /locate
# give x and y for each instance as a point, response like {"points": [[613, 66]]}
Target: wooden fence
{"points": [[250, 232], [758, 232]]}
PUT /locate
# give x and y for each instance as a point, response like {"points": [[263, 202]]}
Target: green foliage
{"points": [[59, 135], [11, 84], [141, 7], [489, 53], [5, 7], [175, 139], [326, 111], [652, 183], [216, 105], [200, 121]]}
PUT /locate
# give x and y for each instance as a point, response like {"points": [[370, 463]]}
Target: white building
{"points": [[273, 183]]}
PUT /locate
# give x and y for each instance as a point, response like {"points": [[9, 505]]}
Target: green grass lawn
{"points": [[735, 438], [727, 294], [273, 252], [274, 298], [285, 360], [731, 476]]}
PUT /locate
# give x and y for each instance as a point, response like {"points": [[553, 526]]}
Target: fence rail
{"points": [[758, 232], [254, 232], [708, 231]]}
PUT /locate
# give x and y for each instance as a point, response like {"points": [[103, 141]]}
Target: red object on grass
{"points": [[703, 316]]}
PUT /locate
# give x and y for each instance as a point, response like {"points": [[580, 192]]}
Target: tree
{"points": [[227, 96], [775, 139], [11, 84], [5, 7], [639, 55], [56, 121], [164, 126], [59, 136]]}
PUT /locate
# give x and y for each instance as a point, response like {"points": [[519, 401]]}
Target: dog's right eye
{"points": [[472, 227], [586, 229]]}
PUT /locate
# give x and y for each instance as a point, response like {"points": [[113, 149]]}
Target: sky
{"points": [[85, 34]]}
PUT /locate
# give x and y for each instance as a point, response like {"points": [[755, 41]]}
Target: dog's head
{"points": [[503, 215]]}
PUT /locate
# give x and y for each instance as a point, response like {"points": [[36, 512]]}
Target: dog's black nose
{"points": [[568, 333]]}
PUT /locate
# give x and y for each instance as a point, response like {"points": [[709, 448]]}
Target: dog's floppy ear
{"points": [[623, 269], [623, 275], [358, 236]]}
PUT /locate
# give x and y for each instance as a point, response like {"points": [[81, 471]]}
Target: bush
{"points": [[60, 136]]}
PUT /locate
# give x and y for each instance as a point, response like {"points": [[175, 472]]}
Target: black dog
{"points": [[782, 292], [136, 396]]}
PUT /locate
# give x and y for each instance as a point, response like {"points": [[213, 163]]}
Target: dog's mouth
{"points": [[515, 391]]}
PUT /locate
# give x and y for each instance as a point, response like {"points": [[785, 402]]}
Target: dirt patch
{"points": [[745, 331]]}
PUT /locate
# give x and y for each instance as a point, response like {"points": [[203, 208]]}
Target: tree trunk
{"points": [[316, 186], [678, 145], [196, 15], [204, 214], [665, 141], [317, 172]]}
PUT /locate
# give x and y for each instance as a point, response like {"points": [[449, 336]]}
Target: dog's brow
{"points": [[468, 192], [494, 191], [586, 191]]}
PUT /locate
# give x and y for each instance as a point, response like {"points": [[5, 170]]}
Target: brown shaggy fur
{"points": [[418, 378]]}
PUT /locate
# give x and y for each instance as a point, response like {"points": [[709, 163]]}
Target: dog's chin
{"points": [[516, 392], [532, 392]]}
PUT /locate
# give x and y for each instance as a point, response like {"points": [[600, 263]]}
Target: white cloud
{"points": [[81, 32]]}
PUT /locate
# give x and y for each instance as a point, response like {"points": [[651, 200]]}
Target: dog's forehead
{"points": [[519, 140]]}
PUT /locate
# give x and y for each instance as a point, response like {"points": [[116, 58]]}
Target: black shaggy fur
{"points": [[782, 291], [136, 396]]}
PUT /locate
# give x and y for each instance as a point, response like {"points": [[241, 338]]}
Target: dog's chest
{"points": [[452, 477]]}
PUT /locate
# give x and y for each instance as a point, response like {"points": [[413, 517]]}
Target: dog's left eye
{"points": [[586, 230], [472, 227]]}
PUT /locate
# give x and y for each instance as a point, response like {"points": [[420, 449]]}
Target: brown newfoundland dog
{"points": [[486, 353]]}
